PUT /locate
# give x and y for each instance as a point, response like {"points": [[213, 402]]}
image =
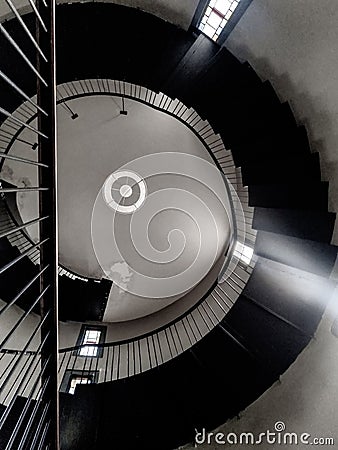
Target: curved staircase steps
{"points": [[278, 312], [162, 408], [280, 169], [224, 75], [273, 340], [176, 398], [311, 256], [295, 142], [12, 419], [307, 195], [82, 300], [227, 361], [135, 46], [304, 224], [292, 294], [15, 278], [76, 295], [256, 126], [79, 419], [190, 67], [245, 128], [7, 251]]}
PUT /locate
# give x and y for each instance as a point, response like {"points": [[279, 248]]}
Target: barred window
{"points": [[216, 16]]}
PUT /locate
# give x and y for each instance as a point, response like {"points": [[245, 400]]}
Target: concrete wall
{"points": [[294, 44], [179, 12]]}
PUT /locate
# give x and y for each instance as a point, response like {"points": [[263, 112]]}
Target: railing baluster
{"points": [[18, 258], [20, 91], [25, 375], [23, 226], [20, 122], [21, 53], [24, 26], [40, 425], [4, 401], [33, 415], [22, 318], [3, 385]]}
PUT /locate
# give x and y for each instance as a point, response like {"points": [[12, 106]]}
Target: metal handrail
{"points": [[34, 364]]}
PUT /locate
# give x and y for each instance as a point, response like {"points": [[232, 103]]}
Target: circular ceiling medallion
{"points": [[124, 191]]}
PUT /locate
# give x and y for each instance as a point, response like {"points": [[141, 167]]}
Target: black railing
{"points": [[28, 293]]}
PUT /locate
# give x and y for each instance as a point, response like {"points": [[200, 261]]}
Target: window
{"points": [[78, 379], [72, 378], [216, 16], [243, 252], [91, 335]]}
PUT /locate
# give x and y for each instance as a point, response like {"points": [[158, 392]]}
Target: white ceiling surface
{"points": [[92, 147], [295, 44], [178, 12]]}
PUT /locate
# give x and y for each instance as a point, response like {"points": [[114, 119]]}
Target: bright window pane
{"points": [[216, 17], [243, 252], [88, 351], [214, 20], [233, 7], [222, 6], [209, 31], [90, 337], [78, 380]]}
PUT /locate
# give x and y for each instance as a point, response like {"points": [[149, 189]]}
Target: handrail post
{"points": [[48, 207]]}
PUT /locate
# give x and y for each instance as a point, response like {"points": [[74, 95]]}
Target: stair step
{"points": [[196, 59], [278, 169], [7, 251], [13, 281], [12, 420], [243, 128], [304, 224], [305, 195], [226, 360], [315, 257], [291, 143], [79, 417], [295, 296], [89, 299], [226, 73], [147, 54], [275, 343], [235, 107]]}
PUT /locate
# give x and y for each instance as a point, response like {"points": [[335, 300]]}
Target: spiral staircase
{"points": [[204, 367]]}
